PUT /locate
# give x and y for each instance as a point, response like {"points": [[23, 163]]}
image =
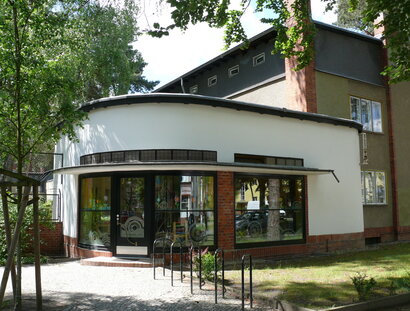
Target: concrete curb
{"points": [[376, 304], [270, 301], [386, 302]]}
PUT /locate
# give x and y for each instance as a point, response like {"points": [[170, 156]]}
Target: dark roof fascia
{"points": [[348, 32], [268, 33], [261, 36], [216, 102]]}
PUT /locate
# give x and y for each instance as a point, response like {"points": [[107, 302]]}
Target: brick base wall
{"points": [[386, 234], [52, 240], [72, 250], [404, 233]]}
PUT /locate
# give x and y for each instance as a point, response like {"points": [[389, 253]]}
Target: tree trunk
{"points": [[13, 246], [7, 229], [36, 232], [273, 228], [262, 192]]}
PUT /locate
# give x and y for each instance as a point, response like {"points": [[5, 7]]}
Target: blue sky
{"points": [[170, 57]]}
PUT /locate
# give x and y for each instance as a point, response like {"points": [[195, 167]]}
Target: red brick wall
{"points": [[301, 87], [386, 234], [301, 84], [52, 240], [226, 210], [72, 250]]}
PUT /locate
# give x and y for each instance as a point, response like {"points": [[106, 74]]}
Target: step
{"points": [[119, 262]]}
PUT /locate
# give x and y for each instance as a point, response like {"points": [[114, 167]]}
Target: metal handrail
{"points": [[163, 253], [191, 250], [217, 252], [250, 280], [172, 260]]}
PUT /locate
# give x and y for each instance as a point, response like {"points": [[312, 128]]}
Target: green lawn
{"points": [[322, 282]]}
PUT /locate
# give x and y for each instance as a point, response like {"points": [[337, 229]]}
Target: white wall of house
{"points": [[334, 208]]}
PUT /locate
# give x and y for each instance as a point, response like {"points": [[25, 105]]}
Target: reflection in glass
{"points": [[356, 109], [268, 209], [366, 115], [185, 209], [380, 187], [377, 117], [369, 186], [374, 187], [131, 217], [95, 210]]}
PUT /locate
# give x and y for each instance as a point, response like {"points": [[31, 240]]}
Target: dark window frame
{"points": [[150, 176], [258, 59], [79, 210], [212, 81], [233, 71], [303, 209]]}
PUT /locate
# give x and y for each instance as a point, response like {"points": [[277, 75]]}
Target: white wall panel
{"points": [[333, 207]]}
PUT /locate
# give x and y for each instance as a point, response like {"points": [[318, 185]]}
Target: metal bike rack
{"points": [[172, 260], [217, 252], [250, 280], [191, 250], [163, 253]]}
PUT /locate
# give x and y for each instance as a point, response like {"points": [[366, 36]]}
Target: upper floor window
{"points": [[366, 112], [212, 81], [373, 187], [258, 59], [193, 89], [233, 71]]}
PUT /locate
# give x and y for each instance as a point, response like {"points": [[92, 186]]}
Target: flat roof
{"points": [[135, 99]]}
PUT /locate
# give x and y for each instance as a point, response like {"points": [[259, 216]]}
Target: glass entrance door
{"points": [[132, 230]]}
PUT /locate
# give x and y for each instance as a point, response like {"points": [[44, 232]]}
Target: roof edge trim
{"points": [[216, 102]]}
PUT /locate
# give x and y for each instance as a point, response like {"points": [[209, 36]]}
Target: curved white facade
{"points": [[333, 208]]}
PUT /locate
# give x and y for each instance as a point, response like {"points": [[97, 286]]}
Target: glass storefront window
{"points": [[184, 209], [268, 209], [95, 211]]}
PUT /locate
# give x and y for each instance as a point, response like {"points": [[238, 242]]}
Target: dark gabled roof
{"points": [[216, 102], [263, 36], [266, 35]]}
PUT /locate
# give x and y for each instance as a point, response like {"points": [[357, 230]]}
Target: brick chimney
{"points": [[300, 85]]}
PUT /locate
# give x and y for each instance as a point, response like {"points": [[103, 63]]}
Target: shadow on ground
{"points": [[80, 301]]}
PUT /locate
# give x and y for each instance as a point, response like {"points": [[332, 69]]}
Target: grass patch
{"points": [[323, 282]]}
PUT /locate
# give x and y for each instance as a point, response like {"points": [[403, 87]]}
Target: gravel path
{"points": [[71, 286]]}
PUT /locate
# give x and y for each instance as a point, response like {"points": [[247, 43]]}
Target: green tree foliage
{"points": [[27, 230], [295, 34], [53, 56], [348, 18], [108, 64]]}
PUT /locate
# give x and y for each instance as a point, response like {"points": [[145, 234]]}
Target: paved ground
{"points": [[71, 286]]}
